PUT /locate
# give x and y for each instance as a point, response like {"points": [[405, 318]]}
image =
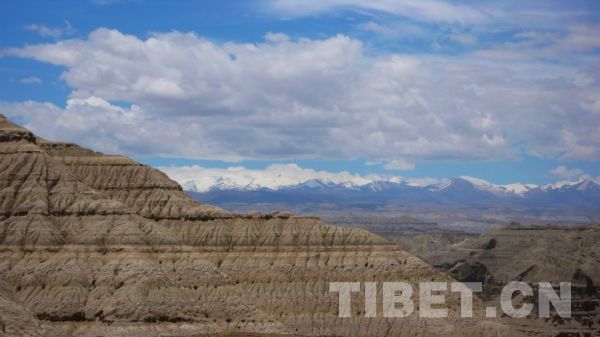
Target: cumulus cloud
{"points": [[53, 32], [571, 174], [565, 172], [103, 126], [399, 164], [288, 98]]}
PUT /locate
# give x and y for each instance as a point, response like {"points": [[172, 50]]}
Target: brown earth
{"points": [[97, 245], [524, 253]]}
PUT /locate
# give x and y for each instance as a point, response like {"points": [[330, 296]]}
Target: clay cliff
{"points": [[525, 253], [97, 245]]}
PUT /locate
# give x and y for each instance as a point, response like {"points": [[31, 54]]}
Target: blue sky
{"points": [[507, 91]]}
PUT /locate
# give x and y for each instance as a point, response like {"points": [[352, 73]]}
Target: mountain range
{"points": [[580, 197]]}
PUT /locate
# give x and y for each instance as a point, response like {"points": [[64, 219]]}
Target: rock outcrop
{"points": [[97, 245], [531, 254]]}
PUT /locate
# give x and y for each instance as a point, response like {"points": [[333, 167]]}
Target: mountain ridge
{"points": [[512, 188], [97, 245], [580, 196]]}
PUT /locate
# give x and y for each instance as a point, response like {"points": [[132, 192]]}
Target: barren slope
{"points": [[530, 254], [100, 245]]}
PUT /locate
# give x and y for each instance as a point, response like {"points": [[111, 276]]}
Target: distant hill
{"points": [[577, 199]]}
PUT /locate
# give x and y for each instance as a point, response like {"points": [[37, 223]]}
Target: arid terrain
{"points": [[101, 245], [522, 253], [300, 168], [96, 245]]}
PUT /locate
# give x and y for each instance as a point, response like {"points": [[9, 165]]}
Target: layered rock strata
{"points": [[97, 245]]}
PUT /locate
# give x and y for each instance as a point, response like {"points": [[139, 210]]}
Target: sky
{"points": [[507, 91]]}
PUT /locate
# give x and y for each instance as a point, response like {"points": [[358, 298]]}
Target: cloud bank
{"points": [[179, 94]]}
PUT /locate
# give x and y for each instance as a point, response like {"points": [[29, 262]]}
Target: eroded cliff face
{"points": [[535, 254], [530, 254], [96, 245]]}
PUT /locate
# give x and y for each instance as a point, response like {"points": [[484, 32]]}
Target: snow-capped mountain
{"points": [[377, 184], [518, 188], [380, 192], [274, 177], [462, 182], [189, 185], [279, 177], [288, 186], [581, 185]]}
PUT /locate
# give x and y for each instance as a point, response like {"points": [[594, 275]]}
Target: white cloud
{"points": [[424, 10], [327, 98], [581, 38], [399, 164], [53, 32], [571, 174], [375, 27], [30, 80], [564, 172], [93, 121], [396, 29], [276, 37], [463, 38]]}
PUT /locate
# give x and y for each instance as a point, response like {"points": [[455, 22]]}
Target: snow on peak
{"points": [[518, 188], [476, 181], [441, 186], [586, 184], [189, 185], [199, 179], [560, 185], [483, 185], [314, 183], [273, 177]]}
